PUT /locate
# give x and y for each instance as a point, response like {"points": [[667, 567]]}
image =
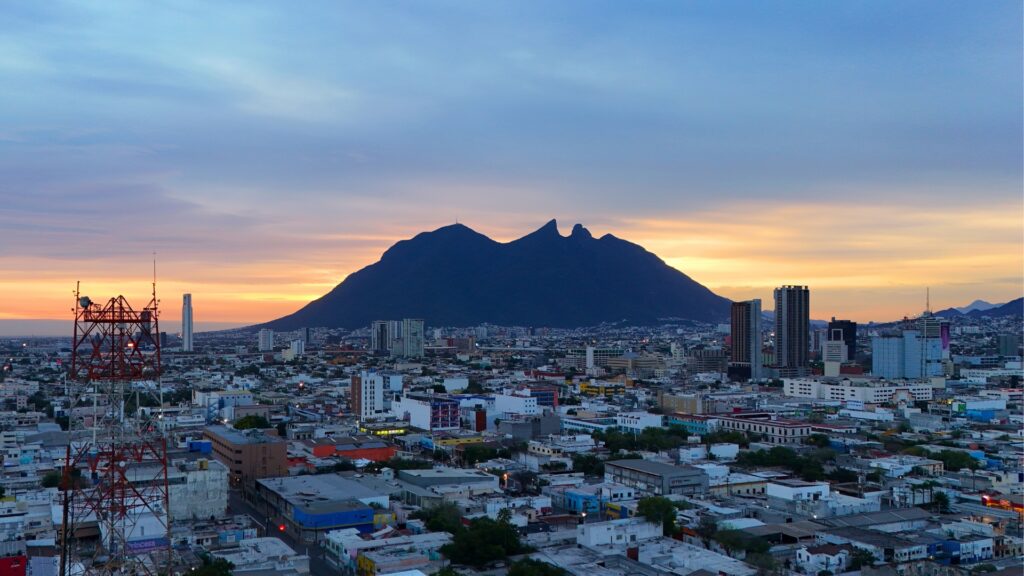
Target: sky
{"points": [[265, 150]]}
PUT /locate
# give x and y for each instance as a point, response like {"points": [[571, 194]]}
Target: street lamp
{"points": [[584, 516]]}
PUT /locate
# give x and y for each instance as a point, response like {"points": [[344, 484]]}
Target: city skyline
{"points": [[866, 150]]}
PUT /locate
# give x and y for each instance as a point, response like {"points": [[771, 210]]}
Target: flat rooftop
{"points": [[651, 467], [243, 436]]}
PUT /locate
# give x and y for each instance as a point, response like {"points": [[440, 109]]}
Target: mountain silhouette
{"points": [[455, 276]]}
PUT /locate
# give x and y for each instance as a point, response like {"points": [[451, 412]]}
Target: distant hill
{"points": [[455, 276], [977, 305], [1012, 308]]}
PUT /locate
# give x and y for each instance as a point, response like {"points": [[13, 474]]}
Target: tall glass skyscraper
{"points": [[792, 330], [186, 323]]}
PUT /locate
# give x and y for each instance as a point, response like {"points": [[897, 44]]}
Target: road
{"points": [[317, 563]]}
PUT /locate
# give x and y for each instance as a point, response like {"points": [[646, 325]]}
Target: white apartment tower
{"points": [[266, 340], [186, 323]]}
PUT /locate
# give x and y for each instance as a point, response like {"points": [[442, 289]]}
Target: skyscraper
{"points": [[186, 323], [845, 330], [266, 340], [746, 336], [380, 337], [792, 329], [412, 338]]}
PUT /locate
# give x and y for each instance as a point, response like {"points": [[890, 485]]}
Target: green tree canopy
{"points": [[531, 567], [251, 421], [658, 510], [483, 542]]}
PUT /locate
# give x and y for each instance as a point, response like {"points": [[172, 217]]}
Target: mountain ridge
{"points": [[456, 276]]}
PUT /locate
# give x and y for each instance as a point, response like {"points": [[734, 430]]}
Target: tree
{"points": [[485, 541], [733, 540], [51, 479], [213, 567], [658, 510], [251, 421], [819, 440], [764, 562], [861, 557], [706, 529], [444, 517], [941, 502], [282, 429], [589, 464], [531, 567]]}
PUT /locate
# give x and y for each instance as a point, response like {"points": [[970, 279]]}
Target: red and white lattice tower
{"points": [[116, 517]]}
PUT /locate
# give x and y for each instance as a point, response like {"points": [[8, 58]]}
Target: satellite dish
{"points": [[84, 302]]}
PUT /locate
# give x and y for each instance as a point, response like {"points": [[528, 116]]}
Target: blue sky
{"points": [[265, 150]]}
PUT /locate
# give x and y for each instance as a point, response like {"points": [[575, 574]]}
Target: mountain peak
{"points": [[579, 232]]}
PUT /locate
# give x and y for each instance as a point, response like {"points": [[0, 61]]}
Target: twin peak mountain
{"points": [[455, 276]]}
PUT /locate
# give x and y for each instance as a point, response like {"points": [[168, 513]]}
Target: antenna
{"points": [[928, 300], [154, 276]]}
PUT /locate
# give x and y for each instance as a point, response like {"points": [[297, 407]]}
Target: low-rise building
{"points": [[656, 479]]}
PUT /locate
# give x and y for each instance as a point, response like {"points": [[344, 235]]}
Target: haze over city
{"points": [[867, 150]]}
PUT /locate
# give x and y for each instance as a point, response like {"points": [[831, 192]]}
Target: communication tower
{"points": [[116, 506]]}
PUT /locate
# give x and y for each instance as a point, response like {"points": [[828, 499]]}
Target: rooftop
{"points": [[651, 467], [253, 436]]}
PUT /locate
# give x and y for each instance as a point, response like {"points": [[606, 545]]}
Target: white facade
{"points": [[186, 323], [203, 493], [266, 340], [847, 390], [371, 395], [515, 404], [625, 532], [638, 421], [798, 491]]}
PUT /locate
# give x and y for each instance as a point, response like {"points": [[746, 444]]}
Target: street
{"points": [[317, 563]]}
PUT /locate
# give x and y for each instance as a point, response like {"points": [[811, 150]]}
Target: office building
{"points": [[857, 391], [380, 336], [411, 342], [792, 329], [845, 330], [746, 336], [429, 413], [651, 478], [367, 395], [266, 340], [186, 323], [1008, 344], [918, 351], [248, 454], [707, 361], [399, 338]]}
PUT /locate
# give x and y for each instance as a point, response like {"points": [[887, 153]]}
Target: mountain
{"points": [[1011, 308], [977, 305], [455, 276]]}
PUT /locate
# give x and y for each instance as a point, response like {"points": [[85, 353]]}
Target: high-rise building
{"points": [[1008, 344], [266, 340], [367, 395], [380, 337], [404, 338], [792, 330], [186, 323], [845, 330], [745, 329], [411, 345], [917, 352]]}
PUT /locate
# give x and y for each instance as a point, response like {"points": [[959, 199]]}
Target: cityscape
{"points": [[277, 299]]}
